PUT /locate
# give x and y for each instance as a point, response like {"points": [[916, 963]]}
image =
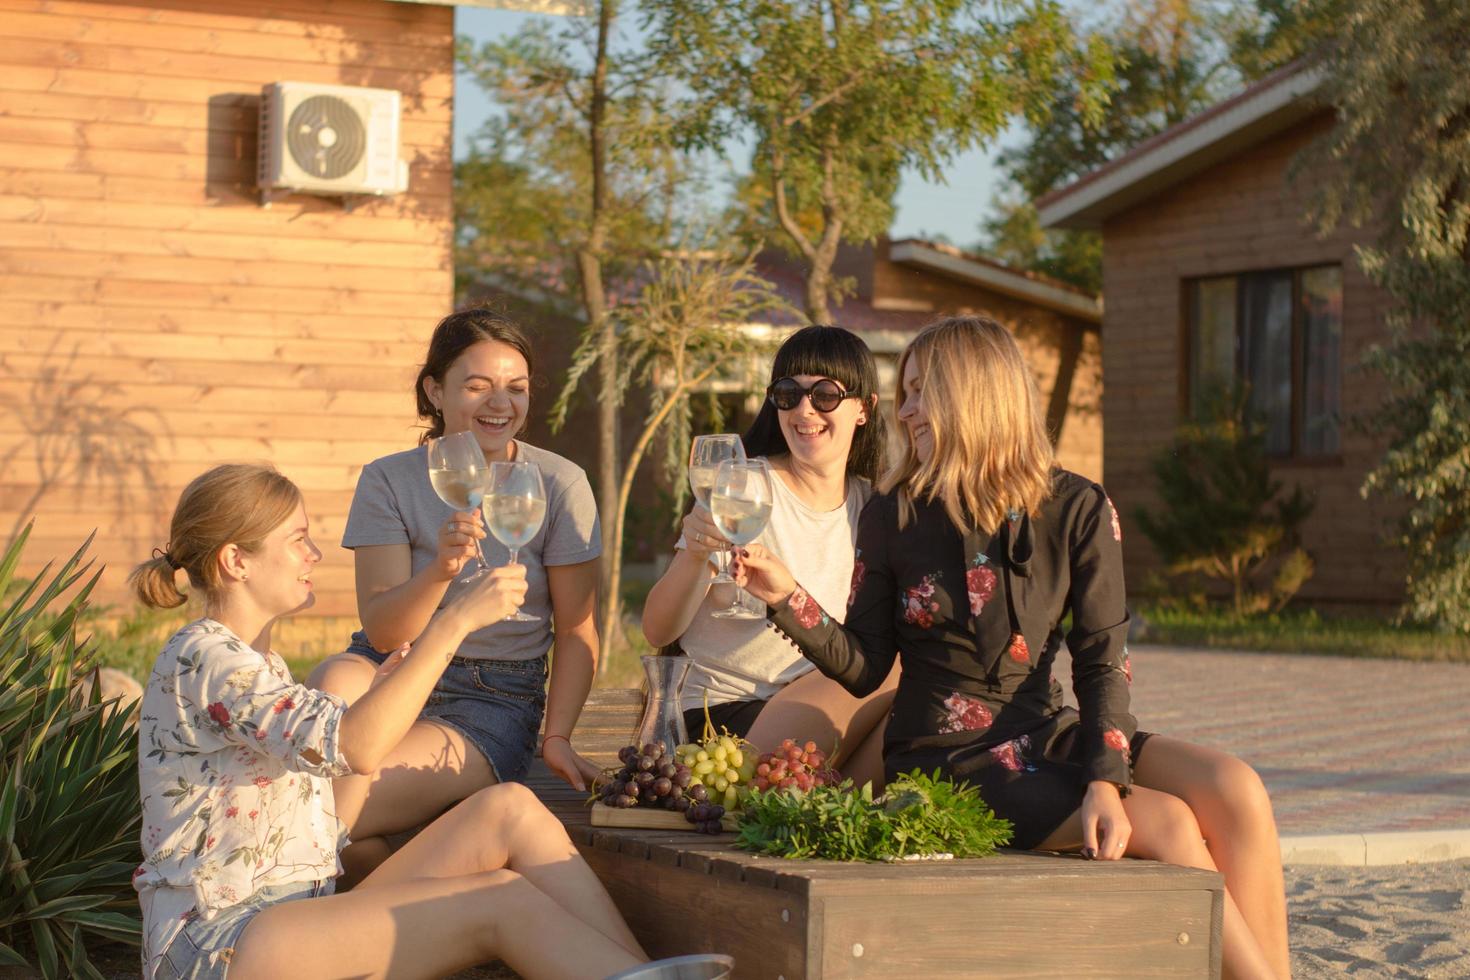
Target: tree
{"points": [[684, 327], [570, 189], [1398, 160], [1222, 516], [1174, 58], [839, 96]]}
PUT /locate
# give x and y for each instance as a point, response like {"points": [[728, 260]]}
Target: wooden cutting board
{"points": [[645, 819]]}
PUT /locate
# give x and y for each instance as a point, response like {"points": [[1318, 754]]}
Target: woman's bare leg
{"points": [[430, 770], [1164, 829], [1234, 814], [426, 927], [506, 826], [816, 708]]}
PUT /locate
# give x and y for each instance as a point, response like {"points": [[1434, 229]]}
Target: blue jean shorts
{"points": [[203, 950], [497, 705]]}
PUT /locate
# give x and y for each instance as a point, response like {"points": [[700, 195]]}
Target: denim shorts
{"points": [[496, 705], [203, 950]]}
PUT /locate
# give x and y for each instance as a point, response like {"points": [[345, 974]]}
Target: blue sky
{"points": [[952, 209]]}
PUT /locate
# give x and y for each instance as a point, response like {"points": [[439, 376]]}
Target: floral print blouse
{"points": [[979, 620], [234, 766]]}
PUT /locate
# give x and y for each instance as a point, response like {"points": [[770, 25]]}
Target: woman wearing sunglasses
{"points": [[820, 431], [972, 555]]}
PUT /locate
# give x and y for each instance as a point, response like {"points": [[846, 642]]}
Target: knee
{"points": [[512, 804], [1240, 796], [1173, 835], [345, 674]]}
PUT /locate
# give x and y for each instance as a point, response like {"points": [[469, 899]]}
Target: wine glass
{"points": [[705, 456], [458, 473], [741, 504], [515, 506]]}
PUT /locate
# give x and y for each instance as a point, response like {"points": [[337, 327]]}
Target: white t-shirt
{"points": [[747, 660]]}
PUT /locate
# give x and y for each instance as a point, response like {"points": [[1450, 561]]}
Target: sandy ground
{"points": [[1407, 920], [1401, 921]]}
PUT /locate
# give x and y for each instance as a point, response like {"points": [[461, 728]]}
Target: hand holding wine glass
{"points": [[457, 472], [741, 505], [515, 507], [706, 453]]}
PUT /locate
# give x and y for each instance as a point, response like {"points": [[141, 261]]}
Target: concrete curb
{"points": [[1366, 850]]}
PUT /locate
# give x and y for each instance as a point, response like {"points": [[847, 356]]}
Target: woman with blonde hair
{"points": [[970, 558], [240, 832]]}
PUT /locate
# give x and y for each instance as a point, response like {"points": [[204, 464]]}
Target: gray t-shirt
{"points": [[747, 660], [396, 504]]}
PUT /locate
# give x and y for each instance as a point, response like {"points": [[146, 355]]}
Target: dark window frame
{"points": [[1187, 285]]}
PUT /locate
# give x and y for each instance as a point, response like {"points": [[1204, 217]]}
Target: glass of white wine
{"points": [[741, 504], [515, 507], [458, 473], [705, 456]]}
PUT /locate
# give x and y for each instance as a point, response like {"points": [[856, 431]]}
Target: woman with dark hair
{"points": [[413, 556], [974, 553], [821, 433]]}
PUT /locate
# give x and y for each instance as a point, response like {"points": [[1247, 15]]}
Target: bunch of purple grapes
{"points": [[705, 816], [650, 777]]}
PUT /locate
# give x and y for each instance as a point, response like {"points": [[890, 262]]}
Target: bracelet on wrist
{"points": [[547, 738]]}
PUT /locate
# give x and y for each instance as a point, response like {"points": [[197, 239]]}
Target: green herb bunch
{"points": [[919, 815]]}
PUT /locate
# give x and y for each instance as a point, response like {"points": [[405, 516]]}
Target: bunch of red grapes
{"points": [[794, 766]]}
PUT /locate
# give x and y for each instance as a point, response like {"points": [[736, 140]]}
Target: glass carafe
{"points": [[663, 719]]}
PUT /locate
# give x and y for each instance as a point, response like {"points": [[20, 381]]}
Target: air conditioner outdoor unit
{"points": [[330, 139]]}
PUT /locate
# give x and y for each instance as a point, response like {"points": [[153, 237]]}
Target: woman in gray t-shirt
{"points": [[822, 434], [413, 555]]}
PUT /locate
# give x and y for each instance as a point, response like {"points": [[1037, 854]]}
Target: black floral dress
{"points": [[979, 621]]}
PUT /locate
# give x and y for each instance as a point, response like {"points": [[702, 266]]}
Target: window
{"points": [[1278, 333]]}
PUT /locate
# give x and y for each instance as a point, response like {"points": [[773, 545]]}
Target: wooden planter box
{"points": [[1018, 914]]}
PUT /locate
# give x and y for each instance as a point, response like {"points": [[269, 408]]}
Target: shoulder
{"points": [[392, 469], [881, 506], [859, 491], [415, 458], [1075, 498], [555, 469]]}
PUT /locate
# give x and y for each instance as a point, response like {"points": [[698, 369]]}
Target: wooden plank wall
{"points": [[154, 319]]}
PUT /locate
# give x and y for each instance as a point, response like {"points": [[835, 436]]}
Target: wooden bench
{"points": [[1016, 914]]}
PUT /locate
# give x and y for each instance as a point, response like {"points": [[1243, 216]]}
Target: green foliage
{"points": [[918, 815], [524, 198], [1174, 58], [686, 326], [1398, 160], [69, 808], [1017, 239], [1178, 623], [840, 97], [1221, 514]]}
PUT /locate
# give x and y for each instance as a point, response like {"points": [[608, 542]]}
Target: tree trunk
{"points": [[594, 300], [611, 614]]}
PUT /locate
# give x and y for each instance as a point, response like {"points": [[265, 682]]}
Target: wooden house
{"points": [[156, 316], [1212, 275]]}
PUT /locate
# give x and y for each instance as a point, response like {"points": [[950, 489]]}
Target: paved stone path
{"points": [[1344, 745]]}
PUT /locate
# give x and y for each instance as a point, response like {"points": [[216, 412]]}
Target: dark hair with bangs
{"points": [[826, 352]]}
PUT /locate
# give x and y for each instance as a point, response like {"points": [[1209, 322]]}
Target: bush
{"points": [[1223, 516], [69, 808]]}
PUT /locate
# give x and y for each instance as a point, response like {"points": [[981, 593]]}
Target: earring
{"points": [[244, 578]]}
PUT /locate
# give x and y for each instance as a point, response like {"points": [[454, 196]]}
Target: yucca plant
{"points": [[69, 809]]}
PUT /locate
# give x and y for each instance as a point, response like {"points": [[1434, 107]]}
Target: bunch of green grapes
{"points": [[722, 764]]}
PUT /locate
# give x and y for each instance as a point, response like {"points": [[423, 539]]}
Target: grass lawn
{"points": [[1302, 631]]}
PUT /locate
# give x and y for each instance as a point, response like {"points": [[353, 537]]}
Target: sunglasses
{"points": [[826, 394]]}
